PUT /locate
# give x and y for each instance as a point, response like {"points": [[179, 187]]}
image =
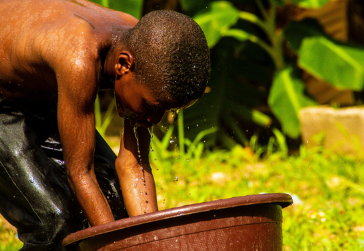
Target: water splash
{"points": [[137, 140], [150, 130]]}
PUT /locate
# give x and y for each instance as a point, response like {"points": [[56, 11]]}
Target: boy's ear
{"points": [[125, 63]]}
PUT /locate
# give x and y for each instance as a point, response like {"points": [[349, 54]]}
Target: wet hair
{"points": [[170, 49]]}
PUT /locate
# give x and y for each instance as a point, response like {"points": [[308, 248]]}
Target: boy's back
{"points": [[40, 40]]}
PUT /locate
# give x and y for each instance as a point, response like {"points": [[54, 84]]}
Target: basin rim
{"points": [[282, 199]]}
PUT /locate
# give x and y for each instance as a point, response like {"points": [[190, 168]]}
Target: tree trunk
{"points": [[356, 21]]}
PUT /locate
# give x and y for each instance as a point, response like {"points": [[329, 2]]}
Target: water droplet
{"points": [[137, 140], [32, 179], [176, 178], [197, 125], [188, 159], [150, 130], [171, 141]]}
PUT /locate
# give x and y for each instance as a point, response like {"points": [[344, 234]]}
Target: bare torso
{"points": [[53, 50], [42, 40]]}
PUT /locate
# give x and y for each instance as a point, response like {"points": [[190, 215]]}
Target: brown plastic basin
{"points": [[251, 222]]}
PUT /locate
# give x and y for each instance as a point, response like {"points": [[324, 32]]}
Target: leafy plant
{"points": [[230, 100], [185, 151], [250, 69], [132, 7], [103, 121]]}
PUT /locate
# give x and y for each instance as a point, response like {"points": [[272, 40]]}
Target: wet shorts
{"points": [[34, 193]]}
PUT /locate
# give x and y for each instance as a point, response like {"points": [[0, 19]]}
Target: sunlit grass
{"points": [[8, 239], [327, 190]]}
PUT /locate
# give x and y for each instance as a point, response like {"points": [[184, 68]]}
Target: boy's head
{"points": [[170, 60]]}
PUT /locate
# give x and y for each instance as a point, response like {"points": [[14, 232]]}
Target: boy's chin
{"points": [[135, 123]]}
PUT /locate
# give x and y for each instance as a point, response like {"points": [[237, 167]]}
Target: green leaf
{"points": [[296, 32], [302, 3], [310, 3], [241, 111], [217, 19], [229, 93], [190, 6], [281, 141], [286, 98], [98, 2], [341, 65], [279, 2], [132, 7], [238, 34]]}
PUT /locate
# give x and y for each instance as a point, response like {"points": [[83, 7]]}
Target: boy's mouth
{"points": [[123, 112]]}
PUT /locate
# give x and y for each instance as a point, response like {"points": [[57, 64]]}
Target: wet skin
{"points": [[54, 50]]}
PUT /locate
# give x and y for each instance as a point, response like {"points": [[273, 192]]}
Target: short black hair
{"points": [[170, 48]]}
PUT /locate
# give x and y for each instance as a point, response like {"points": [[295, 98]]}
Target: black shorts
{"points": [[34, 193]]}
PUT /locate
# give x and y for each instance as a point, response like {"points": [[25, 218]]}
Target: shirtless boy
{"points": [[55, 55]]}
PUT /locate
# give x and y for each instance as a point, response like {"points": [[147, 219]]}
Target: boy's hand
{"points": [[135, 174]]}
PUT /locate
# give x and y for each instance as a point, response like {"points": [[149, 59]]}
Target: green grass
{"points": [[8, 239], [328, 191]]}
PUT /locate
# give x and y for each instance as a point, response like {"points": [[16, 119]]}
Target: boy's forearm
{"points": [[137, 185], [134, 172], [91, 199]]}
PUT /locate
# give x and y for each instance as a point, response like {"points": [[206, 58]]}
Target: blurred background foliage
{"points": [[269, 60]]}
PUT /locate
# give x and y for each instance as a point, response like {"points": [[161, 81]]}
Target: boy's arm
{"points": [[77, 88], [136, 181]]}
